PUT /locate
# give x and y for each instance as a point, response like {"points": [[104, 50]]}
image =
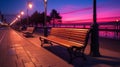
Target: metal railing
{"points": [[106, 29]]}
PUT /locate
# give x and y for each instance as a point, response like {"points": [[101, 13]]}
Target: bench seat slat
{"points": [[63, 42]]}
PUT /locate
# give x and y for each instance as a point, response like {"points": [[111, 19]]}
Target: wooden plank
{"points": [[29, 64]]}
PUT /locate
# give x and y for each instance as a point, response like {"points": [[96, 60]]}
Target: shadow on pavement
{"points": [[105, 61]]}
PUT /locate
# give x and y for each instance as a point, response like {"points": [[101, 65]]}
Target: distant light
{"points": [[13, 21], [22, 13], [18, 16], [45, 0], [16, 19], [117, 20], [30, 5]]}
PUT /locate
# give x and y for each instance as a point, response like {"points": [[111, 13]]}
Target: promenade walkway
{"points": [[18, 51]]}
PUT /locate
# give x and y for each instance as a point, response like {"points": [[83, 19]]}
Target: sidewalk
{"points": [[16, 51]]}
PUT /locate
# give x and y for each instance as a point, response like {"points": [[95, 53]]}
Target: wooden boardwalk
{"points": [[18, 51]]}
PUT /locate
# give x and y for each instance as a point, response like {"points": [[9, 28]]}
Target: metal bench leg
{"points": [[51, 43], [79, 53], [83, 56], [75, 53], [42, 41], [70, 53]]}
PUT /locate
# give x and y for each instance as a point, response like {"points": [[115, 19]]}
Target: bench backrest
{"points": [[72, 34], [30, 29]]}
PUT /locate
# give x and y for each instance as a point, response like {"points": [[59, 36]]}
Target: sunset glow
{"points": [[107, 10], [85, 14]]}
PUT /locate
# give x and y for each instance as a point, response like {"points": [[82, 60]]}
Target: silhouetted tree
{"points": [[24, 21], [43, 18], [38, 18], [35, 19], [2, 17], [55, 16]]}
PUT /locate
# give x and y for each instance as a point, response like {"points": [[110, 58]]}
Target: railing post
{"points": [[117, 30], [84, 26]]}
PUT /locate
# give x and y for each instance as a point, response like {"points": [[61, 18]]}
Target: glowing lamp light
{"points": [[22, 13], [16, 19], [30, 5], [45, 0], [18, 16]]}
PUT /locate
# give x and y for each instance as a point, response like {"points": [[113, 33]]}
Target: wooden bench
{"points": [[20, 28], [74, 39], [29, 32]]}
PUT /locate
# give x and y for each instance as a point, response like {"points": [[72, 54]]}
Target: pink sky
{"points": [[104, 14]]}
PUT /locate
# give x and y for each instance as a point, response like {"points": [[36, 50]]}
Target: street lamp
{"points": [[45, 19], [29, 6], [22, 13], [18, 16], [94, 34]]}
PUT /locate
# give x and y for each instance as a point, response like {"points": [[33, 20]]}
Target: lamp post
{"points": [[45, 18], [29, 6], [94, 34], [22, 13], [19, 18]]}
